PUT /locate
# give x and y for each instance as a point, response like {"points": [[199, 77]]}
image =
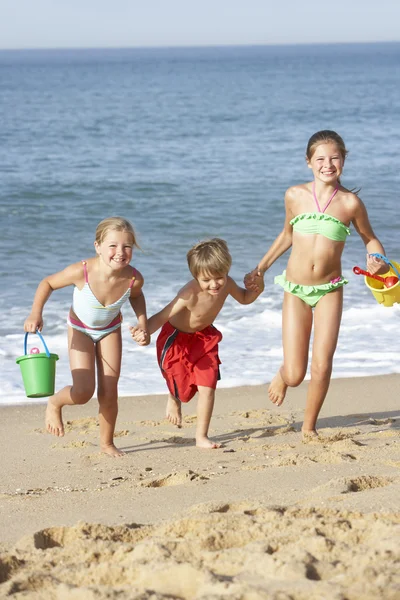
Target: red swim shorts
{"points": [[188, 360]]}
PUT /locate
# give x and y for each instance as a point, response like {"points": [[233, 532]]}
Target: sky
{"points": [[130, 23]]}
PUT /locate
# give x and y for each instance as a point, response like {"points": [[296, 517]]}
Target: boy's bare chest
{"points": [[207, 308]]}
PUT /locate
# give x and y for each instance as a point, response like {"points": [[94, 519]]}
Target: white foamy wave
{"points": [[250, 351]]}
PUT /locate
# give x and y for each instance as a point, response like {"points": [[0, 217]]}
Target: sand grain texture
{"points": [[266, 516]]}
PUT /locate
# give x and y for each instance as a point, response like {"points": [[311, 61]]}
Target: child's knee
{"points": [[81, 395], [293, 377]]}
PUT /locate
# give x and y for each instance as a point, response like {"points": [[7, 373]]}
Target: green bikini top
{"points": [[321, 223]]}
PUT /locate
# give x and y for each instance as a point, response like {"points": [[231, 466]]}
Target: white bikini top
{"points": [[90, 311]]}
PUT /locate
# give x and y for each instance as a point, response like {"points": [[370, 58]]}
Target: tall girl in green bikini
{"points": [[318, 216]]}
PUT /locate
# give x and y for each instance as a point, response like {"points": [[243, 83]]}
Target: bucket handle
{"points": [[42, 339], [387, 261]]}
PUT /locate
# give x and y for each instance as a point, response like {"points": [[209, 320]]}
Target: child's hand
{"points": [[254, 281], [33, 323], [140, 336], [259, 281], [376, 266]]}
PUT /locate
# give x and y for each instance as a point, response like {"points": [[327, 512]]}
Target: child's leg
{"points": [[327, 317], [174, 410], [108, 357], [205, 405], [296, 331], [82, 360]]}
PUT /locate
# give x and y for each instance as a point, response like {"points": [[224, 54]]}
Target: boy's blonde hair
{"points": [[114, 224], [211, 257]]}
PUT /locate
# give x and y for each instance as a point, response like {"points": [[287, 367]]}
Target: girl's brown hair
{"points": [[323, 137]]}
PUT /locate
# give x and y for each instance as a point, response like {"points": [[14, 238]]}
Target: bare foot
{"points": [[309, 435], [277, 389], [54, 423], [111, 450], [174, 411], [205, 442]]}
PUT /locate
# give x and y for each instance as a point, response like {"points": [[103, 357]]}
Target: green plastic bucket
{"points": [[38, 371]]}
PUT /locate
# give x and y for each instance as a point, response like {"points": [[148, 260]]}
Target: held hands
{"points": [[254, 281], [376, 266], [140, 336], [32, 323]]}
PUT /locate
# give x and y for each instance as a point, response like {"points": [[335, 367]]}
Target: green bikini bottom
{"points": [[310, 294]]}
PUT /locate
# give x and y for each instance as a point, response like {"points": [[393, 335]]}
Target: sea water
{"points": [[190, 143]]}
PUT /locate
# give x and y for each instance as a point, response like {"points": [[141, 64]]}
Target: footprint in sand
{"points": [[366, 482], [331, 436], [265, 417], [147, 423], [346, 485], [175, 439], [189, 419], [121, 433], [173, 479], [74, 444], [83, 426]]}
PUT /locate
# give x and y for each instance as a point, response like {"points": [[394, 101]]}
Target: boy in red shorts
{"points": [[187, 346]]}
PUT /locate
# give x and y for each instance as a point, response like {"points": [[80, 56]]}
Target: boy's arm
{"points": [[245, 296], [158, 320], [169, 311], [46, 287]]}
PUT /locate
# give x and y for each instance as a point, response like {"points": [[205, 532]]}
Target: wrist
{"points": [[35, 314]]}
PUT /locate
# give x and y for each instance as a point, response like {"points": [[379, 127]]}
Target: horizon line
{"points": [[196, 46]]}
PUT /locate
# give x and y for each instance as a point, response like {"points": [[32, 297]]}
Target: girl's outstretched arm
{"points": [[282, 242], [69, 276], [278, 247], [373, 245], [138, 303]]}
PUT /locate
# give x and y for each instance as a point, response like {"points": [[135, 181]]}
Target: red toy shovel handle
{"points": [[387, 281], [359, 271]]}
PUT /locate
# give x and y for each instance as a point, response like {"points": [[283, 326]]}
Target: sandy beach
{"points": [[265, 516]]}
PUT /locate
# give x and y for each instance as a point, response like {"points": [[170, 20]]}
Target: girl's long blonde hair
{"points": [[115, 224]]}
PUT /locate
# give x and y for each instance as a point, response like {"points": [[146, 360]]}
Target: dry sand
{"points": [[266, 516]]}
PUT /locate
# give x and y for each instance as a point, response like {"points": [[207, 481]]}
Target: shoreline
{"points": [[43, 402], [62, 496]]}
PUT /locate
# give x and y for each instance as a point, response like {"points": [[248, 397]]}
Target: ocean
{"points": [[190, 143]]}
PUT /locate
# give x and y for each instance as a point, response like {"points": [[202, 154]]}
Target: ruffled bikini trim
{"points": [[319, 217], [307, 290]]}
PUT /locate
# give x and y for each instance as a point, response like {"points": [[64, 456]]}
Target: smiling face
{"points": [[213, 283], [115, 250], [326, 162]]}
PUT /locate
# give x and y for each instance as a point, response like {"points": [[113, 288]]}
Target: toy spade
{"points": [[387, 281]]}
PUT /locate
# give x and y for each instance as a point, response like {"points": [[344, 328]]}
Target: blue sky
{"points": [[124, 23]]}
